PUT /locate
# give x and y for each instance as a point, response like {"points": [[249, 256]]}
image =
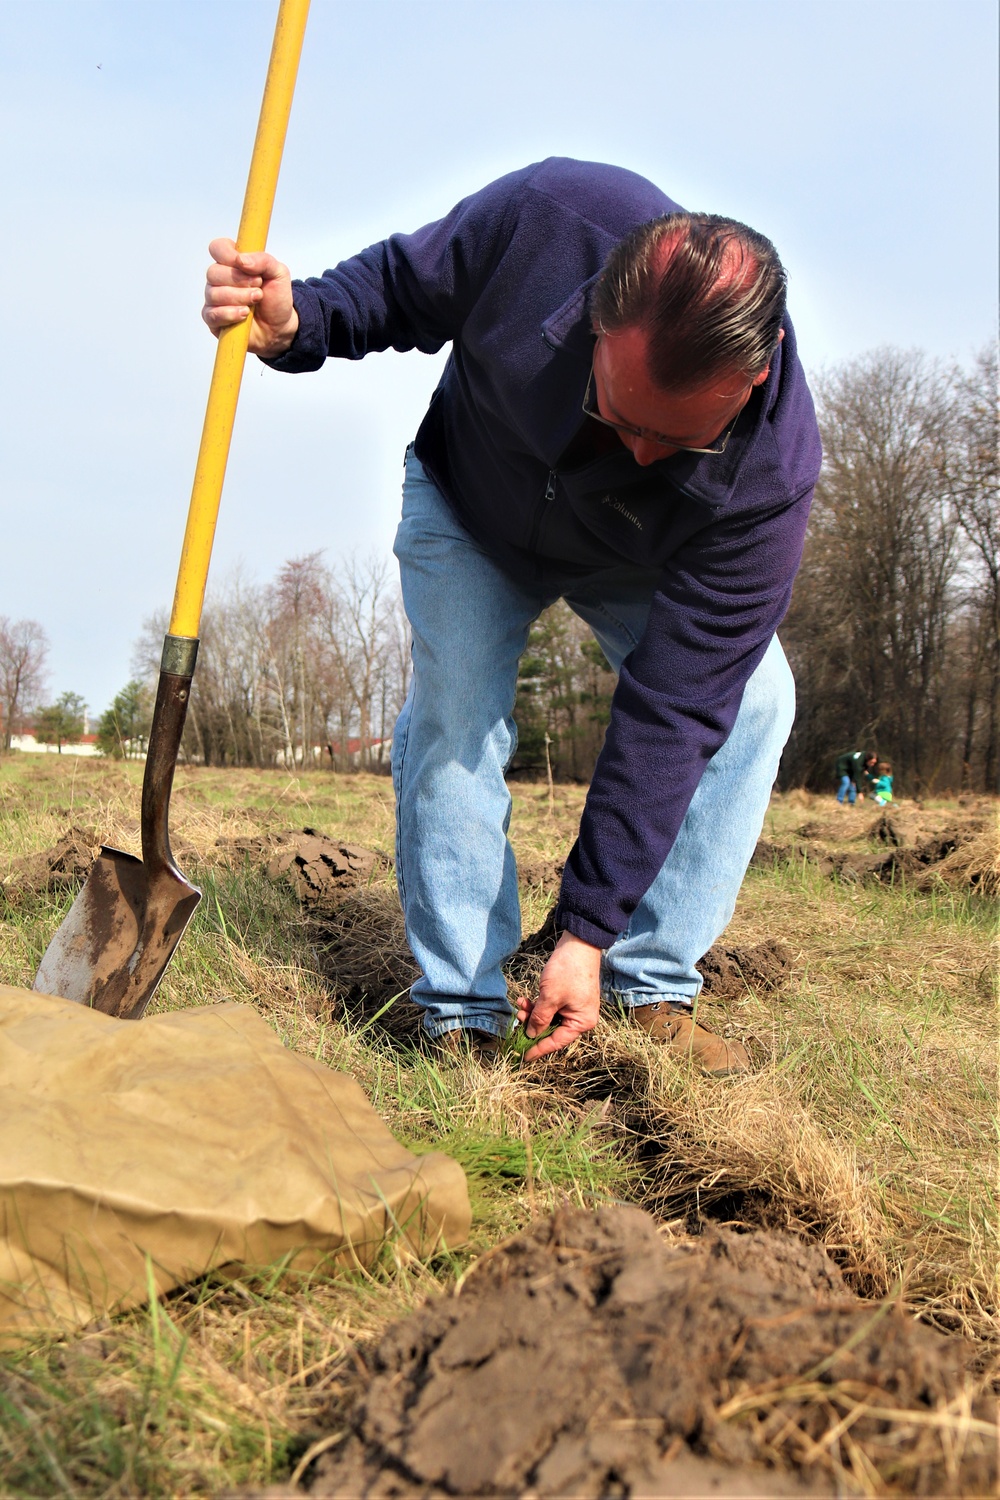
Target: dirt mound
{"points": [[591, 1357], [63, 867], [886, 830], [728, 972], [974, 863], [545, 874], [318, 869]]}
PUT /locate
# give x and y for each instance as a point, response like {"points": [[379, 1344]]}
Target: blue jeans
{"points": [[847, 789], [454, 741]]}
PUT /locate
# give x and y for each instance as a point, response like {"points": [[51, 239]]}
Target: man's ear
{"points": [[759, 379]]}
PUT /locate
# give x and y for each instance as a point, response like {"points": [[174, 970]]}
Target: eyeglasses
{"points": [[590, 410]]}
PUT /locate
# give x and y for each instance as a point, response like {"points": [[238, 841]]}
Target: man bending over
{"points": [[623, 422]]}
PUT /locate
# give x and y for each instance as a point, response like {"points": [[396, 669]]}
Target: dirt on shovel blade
{"points": [[591, 1356]]}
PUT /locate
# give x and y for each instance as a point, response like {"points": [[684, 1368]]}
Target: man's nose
{"points": [[645, 453]]}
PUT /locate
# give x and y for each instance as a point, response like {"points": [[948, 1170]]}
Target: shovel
{"points": [[115, 942]]}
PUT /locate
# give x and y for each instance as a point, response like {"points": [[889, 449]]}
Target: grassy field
{"points": [[868, 1123]]}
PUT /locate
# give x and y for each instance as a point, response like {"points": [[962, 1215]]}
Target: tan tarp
{"points": [[182, 1143]]}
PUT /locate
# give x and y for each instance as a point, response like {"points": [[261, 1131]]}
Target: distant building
{"points": [[86, 745]]}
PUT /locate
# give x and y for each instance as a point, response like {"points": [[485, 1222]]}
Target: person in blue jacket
{"points": [[623, 422]]}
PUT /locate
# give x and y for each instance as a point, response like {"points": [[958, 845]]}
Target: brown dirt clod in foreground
{"points": [[319, 869], [591, 1357]]}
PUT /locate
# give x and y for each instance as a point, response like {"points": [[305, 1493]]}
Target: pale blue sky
{"points": [[861, 136]]}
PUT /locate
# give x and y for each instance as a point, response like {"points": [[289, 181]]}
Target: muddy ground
{"points": [[591, 1356]]}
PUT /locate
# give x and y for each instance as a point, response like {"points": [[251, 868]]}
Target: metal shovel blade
{"points": [[119, 935], [112, 948]]}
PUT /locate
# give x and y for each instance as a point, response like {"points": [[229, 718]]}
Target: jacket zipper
{"points": [[541, 508]]}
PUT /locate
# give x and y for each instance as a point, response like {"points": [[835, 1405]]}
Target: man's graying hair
{"points": [[709, 292]]}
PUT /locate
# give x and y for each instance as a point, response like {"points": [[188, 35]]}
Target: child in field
{"points": [[882, 785]]}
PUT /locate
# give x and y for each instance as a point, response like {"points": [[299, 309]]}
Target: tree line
{"points": [[893, 631], [894, 628], [309, 670]]}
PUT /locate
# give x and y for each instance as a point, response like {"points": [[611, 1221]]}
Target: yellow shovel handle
{"points": [[210, 471]]}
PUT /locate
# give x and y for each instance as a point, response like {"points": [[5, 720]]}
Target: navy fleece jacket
{"points": [[505, 277]]}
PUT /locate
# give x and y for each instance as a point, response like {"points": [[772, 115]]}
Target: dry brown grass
{"points": [[975, 865]]}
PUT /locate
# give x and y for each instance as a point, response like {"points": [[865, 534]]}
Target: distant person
{"points": [[624, 423], [852, 771], [882, 783]]}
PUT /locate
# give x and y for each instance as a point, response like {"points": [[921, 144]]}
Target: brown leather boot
{"points": [[673, 1025], [464, 1042]]}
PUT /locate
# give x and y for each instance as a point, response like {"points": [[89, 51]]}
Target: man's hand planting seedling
{"points": [[569, 998]]}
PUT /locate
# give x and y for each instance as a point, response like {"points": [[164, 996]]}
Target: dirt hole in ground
{"points": [[592, 1356]]}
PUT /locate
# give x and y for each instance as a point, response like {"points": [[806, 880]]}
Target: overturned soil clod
{"points": [[728, 972], [63, 867], [590, 1356], [320, 870]]}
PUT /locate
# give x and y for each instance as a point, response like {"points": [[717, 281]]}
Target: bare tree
{"points": [[362, 633], [297, 604], [870, 624], [972, 482], [24, 647], [315, 661]]}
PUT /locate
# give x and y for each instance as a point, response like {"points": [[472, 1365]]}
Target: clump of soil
{"points": [[545, 874], [886, 830], [318, 869], [728, 972], [974, 863], [591, 1357], [63, 867]]}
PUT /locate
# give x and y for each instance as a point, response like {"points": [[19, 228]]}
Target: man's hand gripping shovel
{"points": [[118, 937]]}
